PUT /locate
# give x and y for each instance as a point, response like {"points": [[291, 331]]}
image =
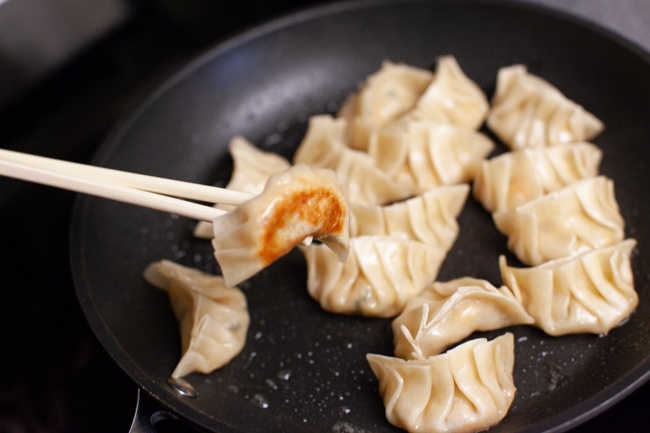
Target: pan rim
{"points": [[570, 418]]}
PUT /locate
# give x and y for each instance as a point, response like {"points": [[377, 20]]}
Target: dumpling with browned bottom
{"points": [[295, 204]]}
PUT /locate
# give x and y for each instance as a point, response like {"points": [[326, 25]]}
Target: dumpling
{"points": [[386, 95], [252, 167], [527, 111], [504, 182], [569, 221], [364, 183], [295, 204], [452, 98], [593, 292], [430, 218], [467, 389], [379, 276], [398, 92], [426, 154], [446, 313], [213, 318], [323, 134]]}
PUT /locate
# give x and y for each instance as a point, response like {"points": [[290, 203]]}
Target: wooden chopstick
{"points": [[125, 194], [132, 188], [160, 185]]}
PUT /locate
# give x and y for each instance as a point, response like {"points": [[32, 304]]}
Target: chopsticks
{"points": [[132, 188]]}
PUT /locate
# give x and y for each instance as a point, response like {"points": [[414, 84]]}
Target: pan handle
{"points": [[148, 413]]}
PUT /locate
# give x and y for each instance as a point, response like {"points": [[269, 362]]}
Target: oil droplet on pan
{"points": [[260, 401]]}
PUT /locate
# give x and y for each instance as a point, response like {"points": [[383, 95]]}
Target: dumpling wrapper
{"points": [[213, 318], [467, 389], [252, 168], [590, 293], [380, 275], [513, 178], [420, 155], [363, 182], [295, 204], [527, 111], [452, 98], [579, 217], [399, 92], [430, 217], [447, 312], [386, 95]]}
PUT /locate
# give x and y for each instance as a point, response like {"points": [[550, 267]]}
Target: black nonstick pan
{"points": [[304, 369]]}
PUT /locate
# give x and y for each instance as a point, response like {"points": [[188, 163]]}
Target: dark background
{"points": [[57, 378]]}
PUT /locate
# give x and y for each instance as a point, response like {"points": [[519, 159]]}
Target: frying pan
{"points": [[304, 369]]}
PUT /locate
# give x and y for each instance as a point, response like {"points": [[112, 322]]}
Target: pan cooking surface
{"points": [[304, 369]]}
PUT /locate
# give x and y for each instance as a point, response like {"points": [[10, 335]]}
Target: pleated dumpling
{"points": [[593, 292], [513, 178], [420, 155], [579, 217], [386, 95], [447, 312], [295, 204], [452, 98], [379, 276], [252, 168], [213, 318], [528, 111], [398, 92], [323, 146], [467, 389], [430, 218]]}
